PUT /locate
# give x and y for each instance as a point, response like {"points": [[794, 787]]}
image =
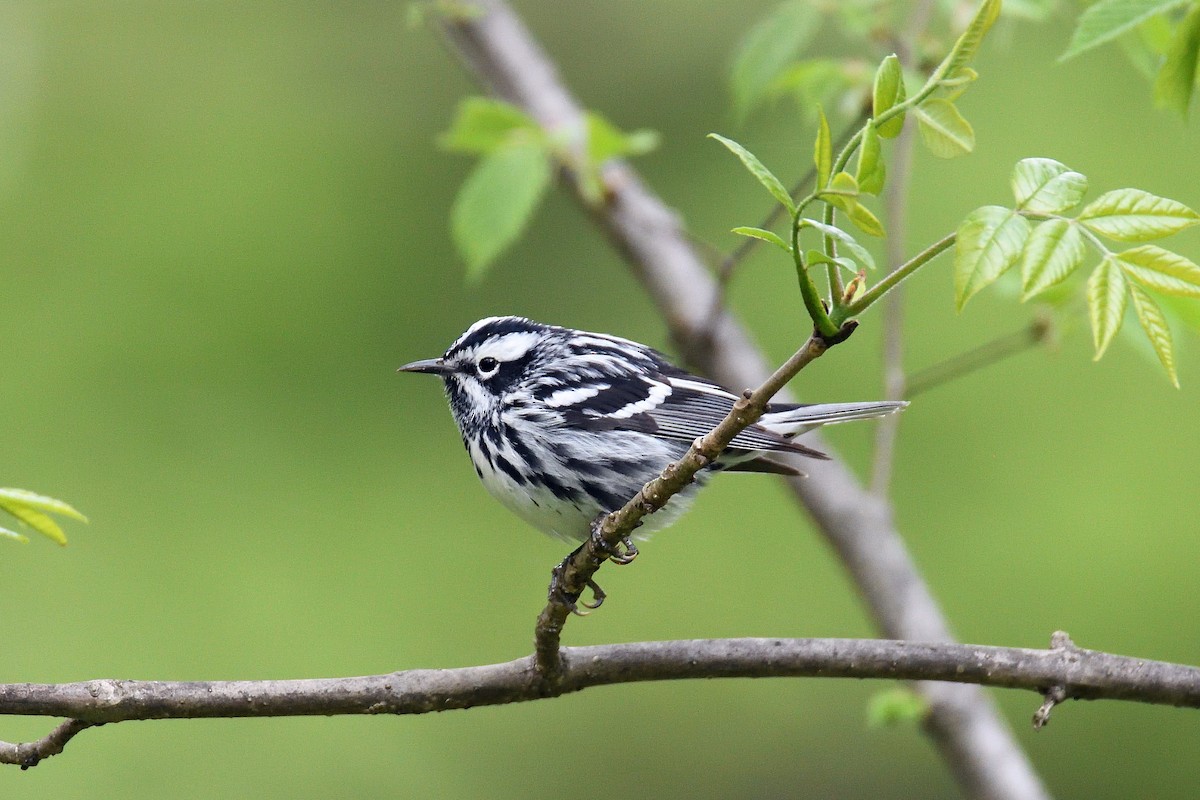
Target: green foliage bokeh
{"points": [[225, 224]]}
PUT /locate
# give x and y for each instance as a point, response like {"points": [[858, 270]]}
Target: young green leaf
{"points": [[40, 502], [606, 140], [1161, 270], [1108, 19], [1177, 79], [865, 221], [823, 150], [871, 172], [756, 168], [482, 125], [40, 522], [843, 191], [860, 253], [989, 241], [968, 43], [943, 129], [887, 92], [34, 510], [1132, 215], [496, 201], [895, 707], [1044, 186], [1154, 323], [1106, 297], [1055, 249], [20, 537], [765, 236], [769, 47], [815, 257]]}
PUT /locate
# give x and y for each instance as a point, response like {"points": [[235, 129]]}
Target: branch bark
{"points": [[974, 740], [1064, 671]]}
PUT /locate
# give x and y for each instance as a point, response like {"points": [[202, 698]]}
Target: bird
{"points": [[564, 426]]}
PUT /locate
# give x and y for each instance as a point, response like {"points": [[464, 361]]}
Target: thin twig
{"points": [[1039, 331], [30, 754], [896, 206], [574, 575]]}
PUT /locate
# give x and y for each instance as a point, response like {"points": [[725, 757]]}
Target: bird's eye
{"points": [[488, 366]]}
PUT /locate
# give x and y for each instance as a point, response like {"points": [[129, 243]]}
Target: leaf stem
{"points": [[900, 273], [808, 290]]}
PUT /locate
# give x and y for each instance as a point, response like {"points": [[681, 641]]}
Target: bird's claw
{"points": [[620, 554], [571, 600]]}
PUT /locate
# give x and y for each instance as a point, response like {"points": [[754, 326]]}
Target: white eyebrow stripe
{"points": [[657, 393], [697, 386], [570, 397], [508, 347]]}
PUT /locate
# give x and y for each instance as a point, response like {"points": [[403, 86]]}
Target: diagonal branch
{"points": [[976, 743]]}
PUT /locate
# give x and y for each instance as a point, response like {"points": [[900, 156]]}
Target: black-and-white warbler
{"points": [[563, 424]]}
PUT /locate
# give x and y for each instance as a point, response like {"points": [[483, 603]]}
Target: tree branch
{"points": [[976, 743], [30, 754], [1072, 673]]}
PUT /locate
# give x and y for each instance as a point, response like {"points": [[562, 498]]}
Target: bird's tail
{"points": [[794, 420]]}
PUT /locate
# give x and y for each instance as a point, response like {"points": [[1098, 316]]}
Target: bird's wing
{"points": [[671, 404]]}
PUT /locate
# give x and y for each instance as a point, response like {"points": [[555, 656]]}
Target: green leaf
{"points": [[860, 253], [1132, 215], [1161, 270], [40, 502], [968, 43], [989, 241], [814, 257], [496, 201], [823, 150], [1055, 249], [20, 537], [40, 522], [482, 125], [1177, 79], [765, 236], [888, 92], [896, 706], [1044, 186], [756, 168], [1108, 19], [867, 222], [1106, 297], [769, 47], [871, 172], [606, 140], [1154, 323], [943, 129]]}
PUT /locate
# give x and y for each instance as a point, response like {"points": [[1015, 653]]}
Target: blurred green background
{"points": [[225, 224]]}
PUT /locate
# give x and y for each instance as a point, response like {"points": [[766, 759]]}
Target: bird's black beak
{"points": [[435, 366]]}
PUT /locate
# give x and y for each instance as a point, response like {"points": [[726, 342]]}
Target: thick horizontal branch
{"points": [[1082, 674]]}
